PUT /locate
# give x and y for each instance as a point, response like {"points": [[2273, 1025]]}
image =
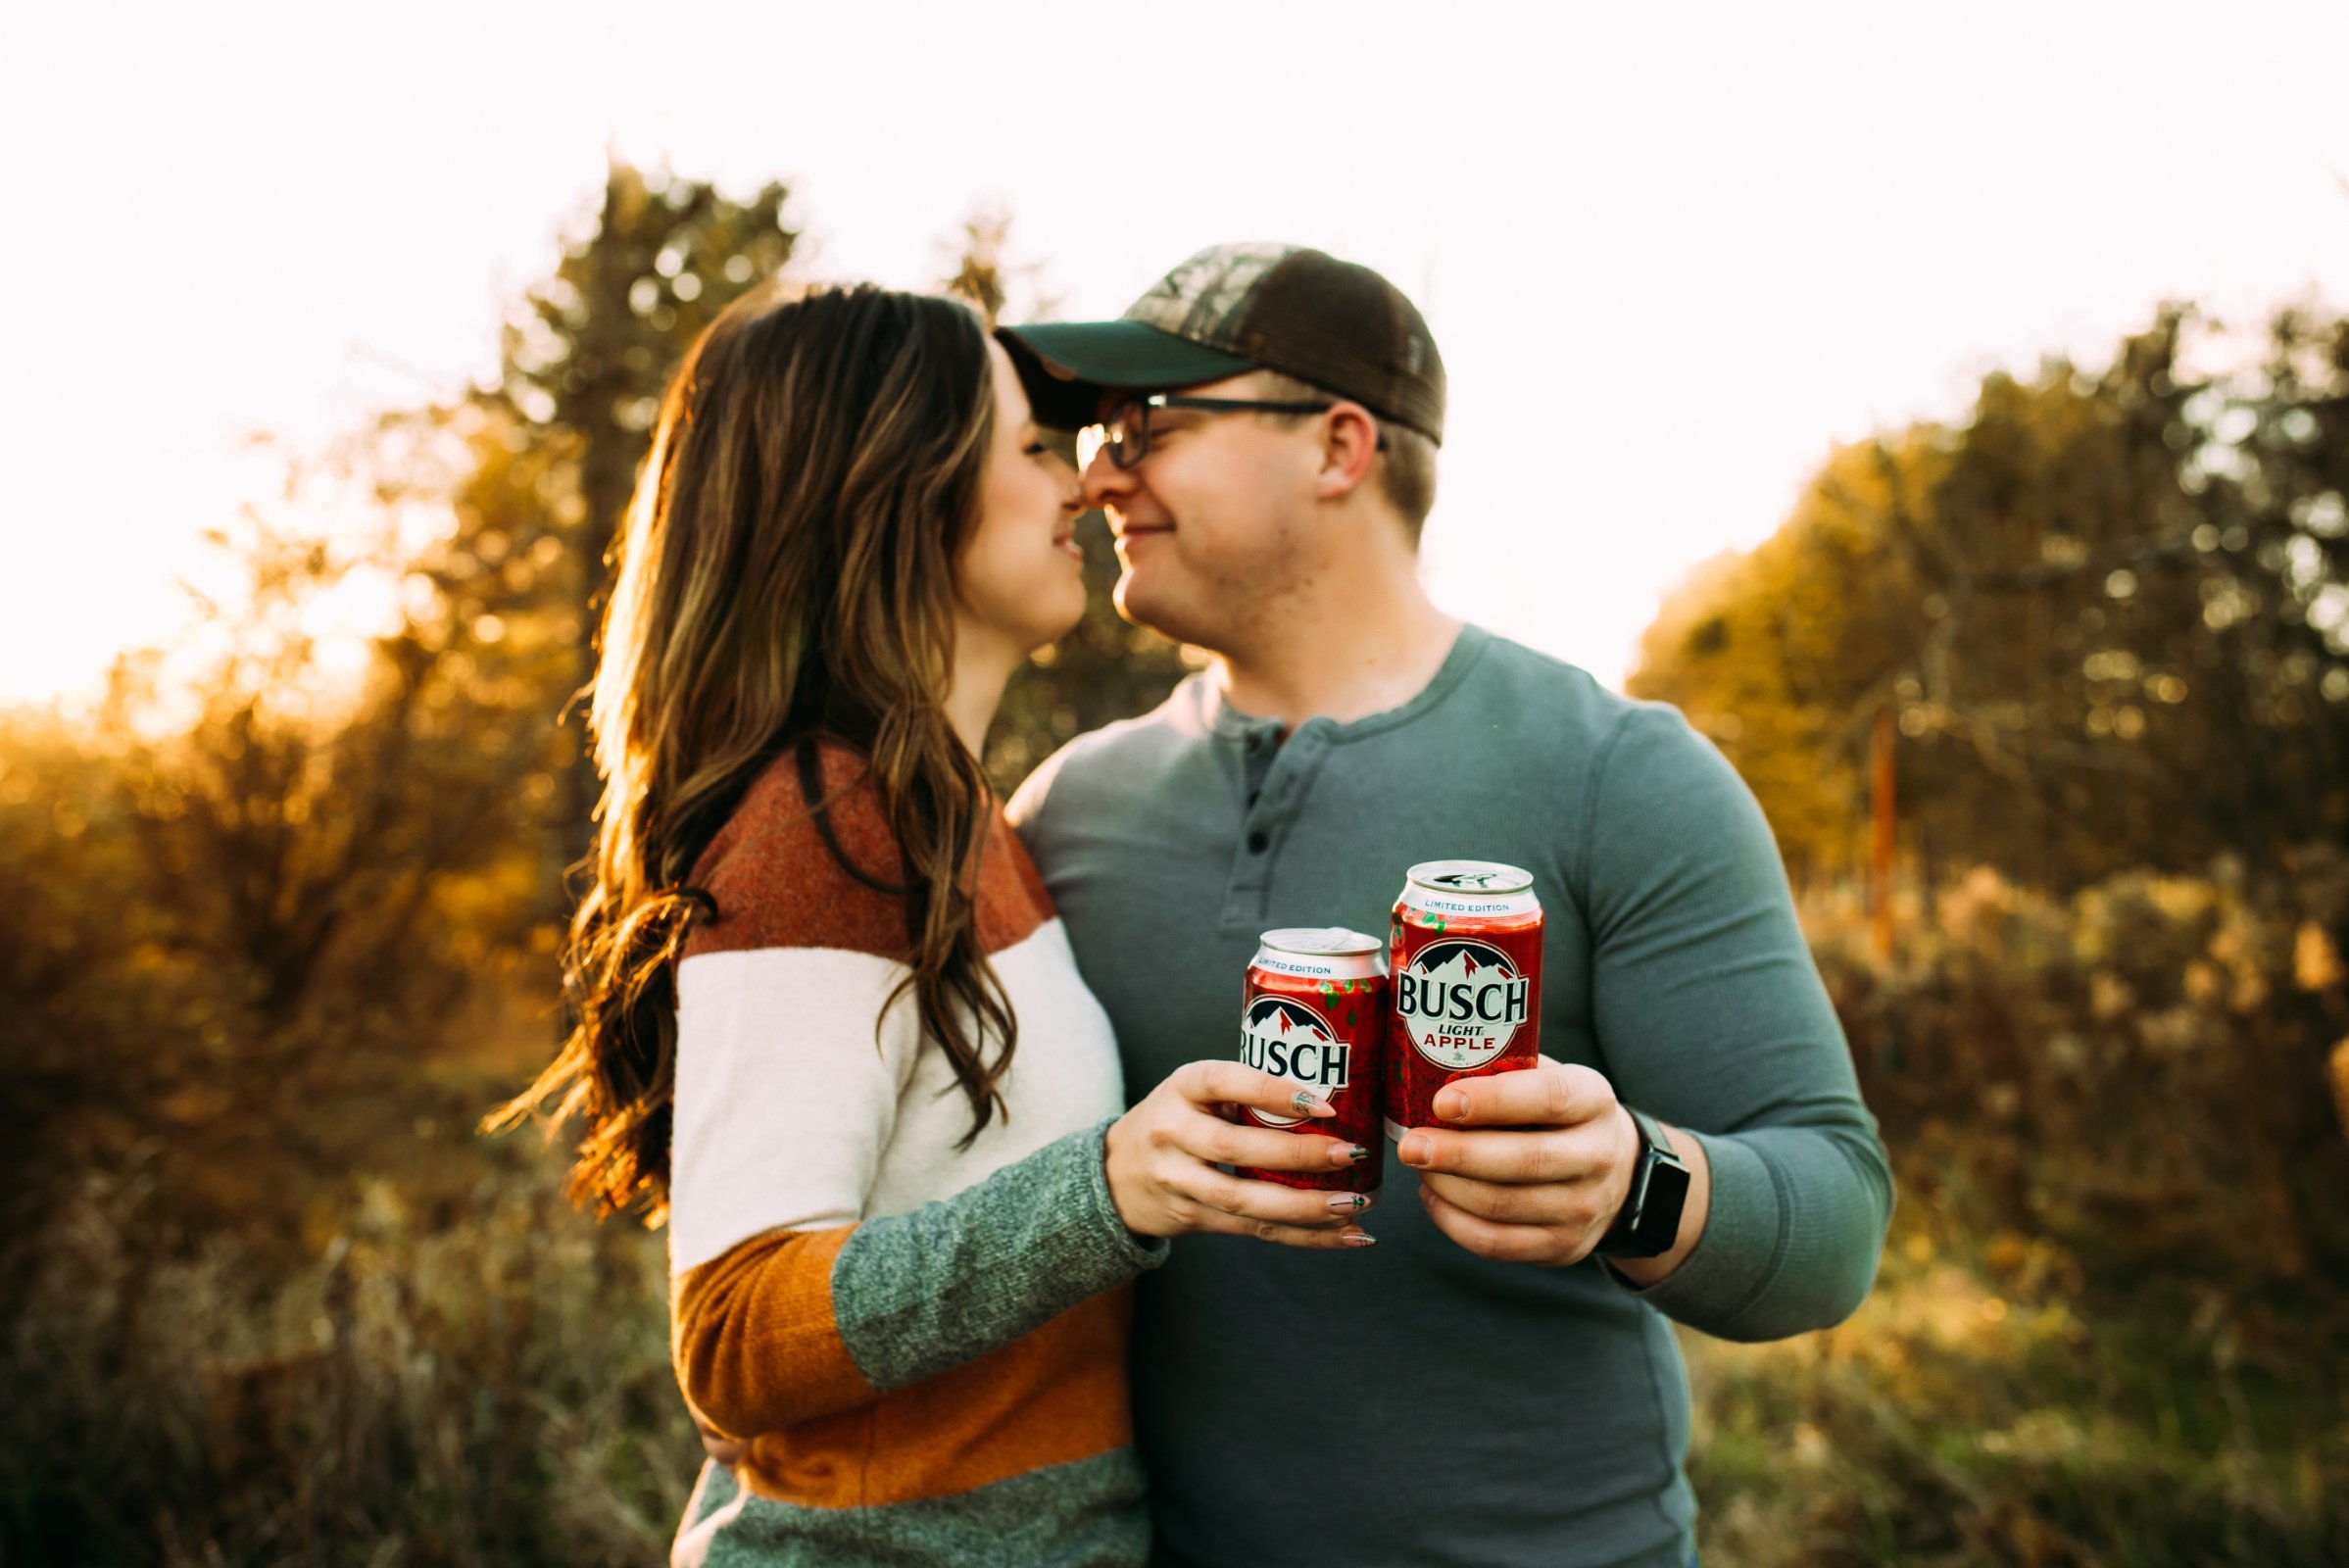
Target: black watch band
{"points": [[1650, 1221]]}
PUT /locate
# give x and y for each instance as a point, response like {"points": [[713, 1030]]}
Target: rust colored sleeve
{"points": [[754, 1339]]}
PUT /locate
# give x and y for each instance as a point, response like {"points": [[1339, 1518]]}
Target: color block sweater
{"points": [[922, 1342]]}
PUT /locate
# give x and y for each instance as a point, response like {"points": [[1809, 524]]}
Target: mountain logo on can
{"points": [[1461, 1001]]}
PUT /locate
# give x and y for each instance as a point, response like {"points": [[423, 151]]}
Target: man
{"points": [[1479, 1387]]}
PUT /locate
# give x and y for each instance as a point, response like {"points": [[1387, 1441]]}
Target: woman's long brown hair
{"points": [[786, 572]]}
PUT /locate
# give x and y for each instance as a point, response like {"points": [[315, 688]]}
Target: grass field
{"points": [[468, 1372]]}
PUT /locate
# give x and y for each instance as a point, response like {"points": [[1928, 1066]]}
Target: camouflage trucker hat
{"points": [[1235, 308]]}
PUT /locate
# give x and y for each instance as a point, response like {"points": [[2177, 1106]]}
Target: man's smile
{"points": [[1124, 527]]}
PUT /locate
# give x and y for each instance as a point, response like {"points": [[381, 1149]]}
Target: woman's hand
{"points": [[1163, 1156], [726, 1450]]}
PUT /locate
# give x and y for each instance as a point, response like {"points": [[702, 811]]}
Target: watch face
{"points": [[1650, 1222], [1659, 1223]]}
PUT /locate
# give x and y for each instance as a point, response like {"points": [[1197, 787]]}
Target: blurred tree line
{"points": [[2106, 612], [2094, 638]]}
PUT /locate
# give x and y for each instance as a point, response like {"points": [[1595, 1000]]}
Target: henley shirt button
{"points": [[1257, 843], [1254, 738]]}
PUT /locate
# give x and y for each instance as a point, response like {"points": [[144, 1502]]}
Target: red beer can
{"points": [[1314, 1011], [1467, 982]]}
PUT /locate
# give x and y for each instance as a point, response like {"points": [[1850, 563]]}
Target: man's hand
{"points": [[1535, 1165]]}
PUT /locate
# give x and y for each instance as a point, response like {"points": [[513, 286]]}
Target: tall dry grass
{"points": [[488, 1387], [2112, 1325], [1983, 1409], [2145, 1071]]}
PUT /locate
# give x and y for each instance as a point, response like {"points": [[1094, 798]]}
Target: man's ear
{"points": [[1349, 445]]}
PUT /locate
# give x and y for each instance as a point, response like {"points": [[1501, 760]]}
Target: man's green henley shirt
{"points": [[1412, 1403]]}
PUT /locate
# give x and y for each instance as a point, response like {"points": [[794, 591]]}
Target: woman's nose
{"points": [[1072, 485]]}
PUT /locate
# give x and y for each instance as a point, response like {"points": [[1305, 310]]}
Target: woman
{"points": [[827, 1021]]}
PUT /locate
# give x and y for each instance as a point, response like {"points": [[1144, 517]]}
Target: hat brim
{"points": [[1067, 365]]}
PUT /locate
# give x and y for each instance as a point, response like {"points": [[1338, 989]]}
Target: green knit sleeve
{"points": [[917, 1293]]}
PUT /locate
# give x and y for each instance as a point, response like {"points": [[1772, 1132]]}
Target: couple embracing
{"points": [[933, 1090]]}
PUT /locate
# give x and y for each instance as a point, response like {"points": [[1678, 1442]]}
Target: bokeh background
{"points": [[1948, 411]]}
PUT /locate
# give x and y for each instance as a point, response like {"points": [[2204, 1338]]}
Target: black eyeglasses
{"points": [[1126, 433]]}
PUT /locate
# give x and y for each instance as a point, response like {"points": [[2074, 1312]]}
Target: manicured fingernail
{"points": [[1350, 1203], [1359, 1238], [1310, 1104], [1452, 1104], [1357, 1154], [1412, 1151]]}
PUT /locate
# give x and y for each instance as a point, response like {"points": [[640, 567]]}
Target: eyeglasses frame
{"points": [[1115, 446]]}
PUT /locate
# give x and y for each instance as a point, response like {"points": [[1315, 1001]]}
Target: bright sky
{"points": [[1669, 253]]}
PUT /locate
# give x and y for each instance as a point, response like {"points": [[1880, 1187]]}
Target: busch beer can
{"points": [[1467, 984], [1314, 1011]]}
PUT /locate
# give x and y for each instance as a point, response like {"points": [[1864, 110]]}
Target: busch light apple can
{"points": [[1466, 953], [1314, 1011]]}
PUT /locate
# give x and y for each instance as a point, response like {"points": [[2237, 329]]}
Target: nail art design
{"points": [[1349, 1200], [1302, 1099], [1360, 1239], [1358, 1154]]}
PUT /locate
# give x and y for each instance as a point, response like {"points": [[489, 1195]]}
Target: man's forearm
{"points": [[1795, 1225]]}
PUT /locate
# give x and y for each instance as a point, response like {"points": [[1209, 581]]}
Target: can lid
{"points": [[1321, 941], [1471, 878]]}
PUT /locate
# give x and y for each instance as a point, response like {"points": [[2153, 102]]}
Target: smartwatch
{"points": [[1650, 1221]]}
